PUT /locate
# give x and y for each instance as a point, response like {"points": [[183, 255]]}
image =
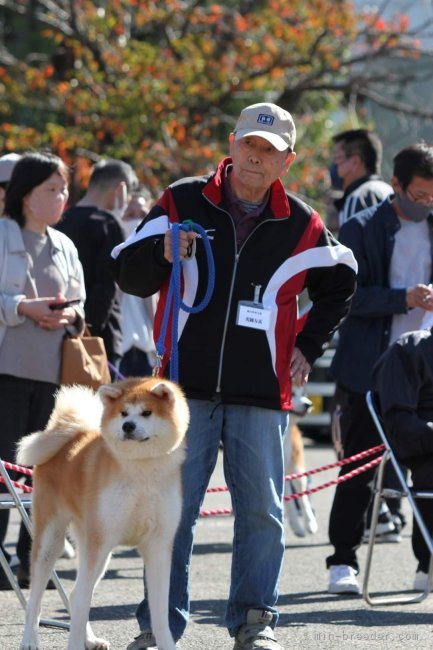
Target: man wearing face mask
{"points": [[93, 226], [355, 169], [392, 243]]}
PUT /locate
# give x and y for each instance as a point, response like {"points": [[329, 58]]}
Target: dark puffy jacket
{"points": [[403, 382]]}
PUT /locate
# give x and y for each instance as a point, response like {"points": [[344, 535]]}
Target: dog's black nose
{"points": [[128, 427]]}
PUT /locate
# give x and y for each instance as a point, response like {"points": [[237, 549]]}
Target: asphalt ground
{"points": [[310, 618]]}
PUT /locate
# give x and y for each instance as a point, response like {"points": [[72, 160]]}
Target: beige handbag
{"points": [[84, 361]]}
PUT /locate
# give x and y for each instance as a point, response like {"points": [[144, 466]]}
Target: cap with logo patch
{"points": [[267, 121], [7, 164]]}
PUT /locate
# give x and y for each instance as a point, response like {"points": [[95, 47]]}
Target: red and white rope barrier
{"points": [[310, 472], [297, 495], [289, 477], [19, 486], [18, 468], [22, 470]]}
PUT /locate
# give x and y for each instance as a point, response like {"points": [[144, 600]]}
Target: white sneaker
{"points": [[388, 529], [342, 580], [420, 582], [68, 550], [393, 537]]}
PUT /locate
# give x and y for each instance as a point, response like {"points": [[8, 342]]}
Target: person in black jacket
{"points": [[237, 373], [392, 243], [403, 383], [356, 162], [92, 226]]}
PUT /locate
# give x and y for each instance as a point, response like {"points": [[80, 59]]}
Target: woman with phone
{"points": [[41, 293]]}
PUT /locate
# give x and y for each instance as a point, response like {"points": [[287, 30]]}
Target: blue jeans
{"points": [[254, 471]]}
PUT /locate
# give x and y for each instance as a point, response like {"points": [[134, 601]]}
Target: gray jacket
{"points": [[14, 265]]}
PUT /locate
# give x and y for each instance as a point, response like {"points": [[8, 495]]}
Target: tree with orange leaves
{"points": [[159, 84]]}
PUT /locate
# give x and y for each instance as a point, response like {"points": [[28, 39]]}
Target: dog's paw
{"points": [[294, 519], [312, 526], [297, 528], [97, 644], [30, 646]]}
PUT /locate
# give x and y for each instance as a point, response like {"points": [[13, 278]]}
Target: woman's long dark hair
{"points": [[30, 171]]}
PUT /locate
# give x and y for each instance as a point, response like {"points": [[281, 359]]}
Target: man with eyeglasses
{"points": [[355, 169], [392, 243]]}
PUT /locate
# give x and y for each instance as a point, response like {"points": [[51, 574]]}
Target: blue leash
{"points": [[174, 302]]}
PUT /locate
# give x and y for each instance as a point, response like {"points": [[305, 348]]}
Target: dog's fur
{"points": [[109, 464], [299, 512]]}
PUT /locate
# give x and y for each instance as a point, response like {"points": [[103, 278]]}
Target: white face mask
{"points": [[118, 210]]}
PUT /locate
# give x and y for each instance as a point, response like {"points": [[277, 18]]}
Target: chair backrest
{"points": [[373, 407]]}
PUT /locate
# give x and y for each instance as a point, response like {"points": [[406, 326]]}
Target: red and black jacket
{"points": [[289, 250]]}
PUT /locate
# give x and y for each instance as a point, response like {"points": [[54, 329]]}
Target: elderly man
{"points": [[267, 246]]}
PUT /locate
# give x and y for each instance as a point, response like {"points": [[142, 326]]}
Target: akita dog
{"points": [[109, 465]]}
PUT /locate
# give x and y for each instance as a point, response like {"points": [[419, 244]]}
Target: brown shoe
{"points": [[256, 633]]}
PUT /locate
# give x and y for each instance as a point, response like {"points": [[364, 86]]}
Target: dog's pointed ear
{"points": [[109, 392], [163, 390]]}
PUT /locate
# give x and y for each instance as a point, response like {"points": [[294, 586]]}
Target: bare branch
{"points": [[395, 106]]}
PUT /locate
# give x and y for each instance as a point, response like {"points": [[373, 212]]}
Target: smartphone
{"points": [[63, 305]]}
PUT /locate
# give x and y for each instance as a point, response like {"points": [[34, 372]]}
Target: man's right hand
{"points": [[185, 241]]}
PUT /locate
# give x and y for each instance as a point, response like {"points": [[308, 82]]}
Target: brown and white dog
{"points": [[299, 512], [108, 464]]}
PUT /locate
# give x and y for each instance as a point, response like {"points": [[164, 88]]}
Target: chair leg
{"points": [[11, 577], [386, 600], [17, 503]]}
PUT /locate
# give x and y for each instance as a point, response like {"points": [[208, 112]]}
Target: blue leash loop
{"points": [[174, 302]]}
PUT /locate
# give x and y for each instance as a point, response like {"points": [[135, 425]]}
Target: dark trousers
{"points": [[135, 364], [425, 507], [25, 406], [352, 498]]}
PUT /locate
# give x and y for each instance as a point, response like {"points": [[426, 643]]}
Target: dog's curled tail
{"points": [[77, 408]]}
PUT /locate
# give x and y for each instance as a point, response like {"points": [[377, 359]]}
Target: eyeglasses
{"points": [[421, 199], [340, 159]]}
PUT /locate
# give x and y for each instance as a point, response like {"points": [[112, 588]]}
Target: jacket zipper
{"points": [[220, 364], [232, 284]]}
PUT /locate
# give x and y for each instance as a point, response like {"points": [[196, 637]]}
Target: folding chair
{"points": [[22, 501], [380, 493]]}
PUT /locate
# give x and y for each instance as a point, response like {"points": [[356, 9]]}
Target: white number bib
{"points": [[251, 314]]}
